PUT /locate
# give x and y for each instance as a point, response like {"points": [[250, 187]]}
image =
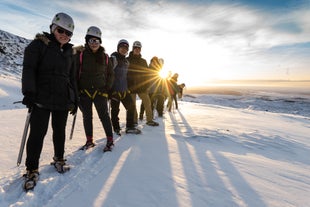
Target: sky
{"points": [[215, 151], [202, 41]]}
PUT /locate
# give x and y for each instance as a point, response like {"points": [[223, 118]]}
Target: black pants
{"points": [[38, 128], [129, 105], [101, 105]]}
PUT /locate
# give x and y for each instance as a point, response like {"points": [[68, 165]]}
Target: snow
{"points": [[249, 149]]}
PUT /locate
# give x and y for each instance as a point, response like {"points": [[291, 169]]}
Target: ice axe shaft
{"points": [[73, 125], [24, 137]]}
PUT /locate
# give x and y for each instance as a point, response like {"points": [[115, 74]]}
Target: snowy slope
{"points": [[204, 154], [11, 54]]}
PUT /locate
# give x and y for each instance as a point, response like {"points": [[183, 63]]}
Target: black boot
{"points": [[108, 146], [31, 179], [60, 165]]}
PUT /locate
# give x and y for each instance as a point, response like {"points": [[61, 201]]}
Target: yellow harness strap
{"points": [[89, 95]]}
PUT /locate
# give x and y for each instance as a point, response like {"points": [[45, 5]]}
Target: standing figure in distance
{"points": [[181, 88], [49, 89], [173, 91], [95, 79], [119, 92]]}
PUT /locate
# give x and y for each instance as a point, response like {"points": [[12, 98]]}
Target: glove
{"points": [[73, 109], [28, 100]]}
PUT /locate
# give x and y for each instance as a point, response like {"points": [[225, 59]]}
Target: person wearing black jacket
{"points": [[95, 79], [49, 89], [139, 81]]}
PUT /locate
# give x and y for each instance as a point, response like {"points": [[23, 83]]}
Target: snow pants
{"points": [[146, 100], [129, 105], [101, 105], [38, 128]]}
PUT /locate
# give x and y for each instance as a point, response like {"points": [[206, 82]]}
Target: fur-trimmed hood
{"points": [[79, 48], [47, 38], [43, 37]]}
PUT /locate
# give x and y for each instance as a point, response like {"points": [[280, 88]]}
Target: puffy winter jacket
{"points": [[96, 71], [120, 73], [49, 73]]}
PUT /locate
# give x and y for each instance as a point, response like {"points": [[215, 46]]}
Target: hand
{"points": [[74, 109], [28, 100]]}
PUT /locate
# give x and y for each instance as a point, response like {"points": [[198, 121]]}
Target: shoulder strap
{"points": [[114, 61], [106, 58]]}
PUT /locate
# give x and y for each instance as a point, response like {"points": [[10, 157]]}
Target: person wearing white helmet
{"points": [[139, 81], [96, 76], [137, 44], [50, 90], [119, 92], [62, 26]]}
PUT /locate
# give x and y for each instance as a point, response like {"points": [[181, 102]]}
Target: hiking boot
{"points": [[89, 144], [108, 146], [60, 165], [31, 179], [118, 132], [133, 130], [152, 123]]}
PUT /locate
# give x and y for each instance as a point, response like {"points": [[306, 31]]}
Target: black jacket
{"points": [[49, 73], [138, 74], [96, 71]]}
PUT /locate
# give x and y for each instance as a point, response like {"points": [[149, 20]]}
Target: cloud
{"points": [[187, 34]]}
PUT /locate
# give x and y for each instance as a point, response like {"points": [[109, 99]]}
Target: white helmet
{"points": [[64, 21], [122, 42], [137, 44], [94, 31]]}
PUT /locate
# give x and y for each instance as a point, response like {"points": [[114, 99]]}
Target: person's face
{"points": [[62, 36], [94, 44], [123, 50], [136, 50]]}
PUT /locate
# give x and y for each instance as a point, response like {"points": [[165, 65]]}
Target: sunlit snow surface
{"points": [[249, 149]]}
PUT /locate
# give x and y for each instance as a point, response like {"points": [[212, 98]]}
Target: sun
{"points": [[164, 73]]}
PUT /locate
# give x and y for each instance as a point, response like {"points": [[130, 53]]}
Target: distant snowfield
{"points": [[207, 153], [10, 92]]}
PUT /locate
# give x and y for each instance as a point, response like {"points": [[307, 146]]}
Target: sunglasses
{"points": [[61, 31], [94, 41]]}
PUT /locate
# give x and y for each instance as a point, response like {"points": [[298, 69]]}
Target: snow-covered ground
{"points": [[216, 150]]}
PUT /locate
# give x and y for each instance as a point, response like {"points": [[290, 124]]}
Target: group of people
{"points": [[58, 78]]}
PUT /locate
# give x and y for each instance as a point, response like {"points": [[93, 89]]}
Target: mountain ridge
{"points": [[11, 54]]}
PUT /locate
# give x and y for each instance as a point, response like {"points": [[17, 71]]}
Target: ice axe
{"points": [[73, 124], [24, 137]]}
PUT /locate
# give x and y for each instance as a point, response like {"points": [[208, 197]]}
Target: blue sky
{"points": [[201, 40]]}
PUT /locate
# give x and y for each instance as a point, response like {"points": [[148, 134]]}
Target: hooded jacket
{"points": [[49, 73]]}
